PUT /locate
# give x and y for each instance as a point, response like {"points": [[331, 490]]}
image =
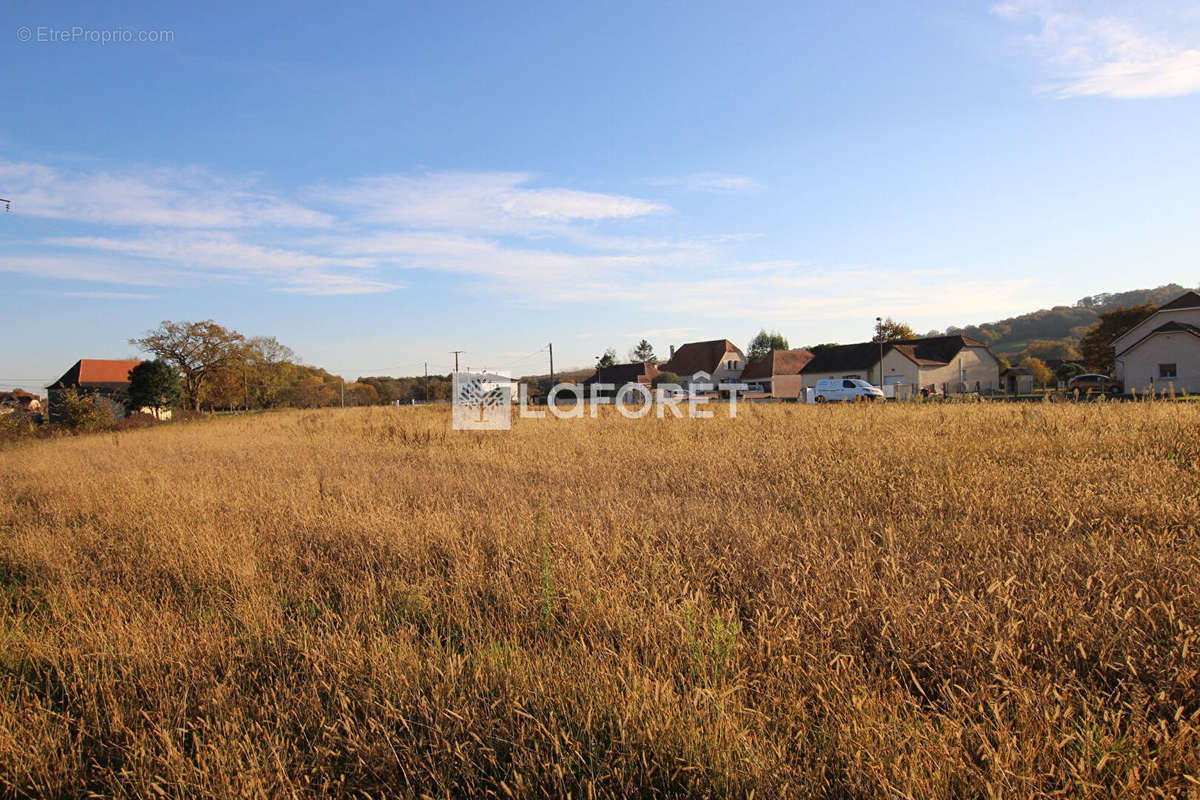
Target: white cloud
{"points": [[719, 182], [492, 202], [1166, 77], [107, 295], [520, 267], [216, 251], [89, 268], [325, 283], [796, 296], [159, 197], [1126, 56], [186, 223], [496, 233]]}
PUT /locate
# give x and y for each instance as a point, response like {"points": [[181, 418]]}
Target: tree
{"points": [[1041, 373], [361, 394], [607, 359], [889, 330], [664, 377], [762, 345], [226, 386], [1051, 348], [312, 389], [269, 366], [153, 384], [1068, 370], [196, 349], [644, 353], [1096, 345]]}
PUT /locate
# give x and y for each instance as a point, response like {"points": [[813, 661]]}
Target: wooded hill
{"points": [[1055, 332]]}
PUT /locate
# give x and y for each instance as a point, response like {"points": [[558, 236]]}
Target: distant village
{"points": [[1159, 354]]}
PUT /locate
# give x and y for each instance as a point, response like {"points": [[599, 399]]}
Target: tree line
{"points": [[220, 368], [1057, 333]]}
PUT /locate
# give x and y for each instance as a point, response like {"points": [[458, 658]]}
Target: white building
{"points": [[1162, 352]]}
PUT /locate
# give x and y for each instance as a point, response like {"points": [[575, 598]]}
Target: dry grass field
{"points": [[933, 601]]}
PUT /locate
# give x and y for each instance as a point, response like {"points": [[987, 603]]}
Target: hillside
{"points": [[1055, 332]]}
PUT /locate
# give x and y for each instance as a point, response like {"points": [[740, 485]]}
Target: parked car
{"points": [[1095, 383], [836, 390]]}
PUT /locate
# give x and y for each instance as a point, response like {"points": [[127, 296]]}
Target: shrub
{"points": [[14, 426], [84, 412]]}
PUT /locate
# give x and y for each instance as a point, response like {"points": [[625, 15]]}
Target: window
{"points": [[847, 384], [1166, 370]]}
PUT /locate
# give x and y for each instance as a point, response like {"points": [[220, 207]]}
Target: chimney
{"points": [[672, 351]]}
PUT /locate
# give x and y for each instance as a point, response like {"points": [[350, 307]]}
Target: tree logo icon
{"points": [[482, 401]]}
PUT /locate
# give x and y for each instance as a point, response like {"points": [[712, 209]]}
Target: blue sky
{"points": [[379, 186]]}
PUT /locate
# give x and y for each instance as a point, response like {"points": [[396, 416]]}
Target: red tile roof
{"points": [[94, 371], [696, 357], [778, 362], [97, 370]]}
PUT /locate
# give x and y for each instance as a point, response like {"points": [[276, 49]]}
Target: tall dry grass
{"points": [[939, 601]]}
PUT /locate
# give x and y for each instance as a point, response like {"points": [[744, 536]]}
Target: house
{"points": [[714, 362], [946, 364], [942, 364], [1017, 380], [621, 375], [20, 400], [841, 361], [105, 379], [777, 375], [1162, 352]]}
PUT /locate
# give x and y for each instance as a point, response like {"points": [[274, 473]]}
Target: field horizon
{"points": [[943, 600]]}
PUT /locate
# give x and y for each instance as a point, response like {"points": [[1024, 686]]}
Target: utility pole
{"points": [[343, 392], [879, 336], [7, 205], [551, 346], [425, 391], [456, 352]]}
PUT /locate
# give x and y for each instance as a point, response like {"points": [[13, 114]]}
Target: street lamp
{"points": [[879, 336]]}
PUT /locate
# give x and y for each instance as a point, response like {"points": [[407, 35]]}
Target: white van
{"points": [[833, 390]]}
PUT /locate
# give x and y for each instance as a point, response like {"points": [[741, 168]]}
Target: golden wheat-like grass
{"points": [[930, 601]]}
